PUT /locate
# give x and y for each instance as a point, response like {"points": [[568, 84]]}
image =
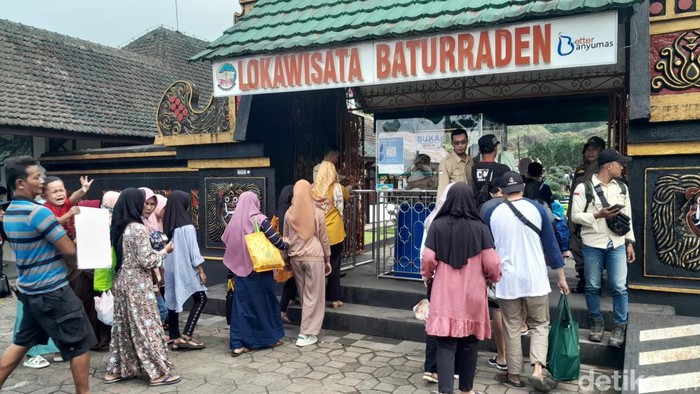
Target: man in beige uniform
{"points": [[457, 166]]}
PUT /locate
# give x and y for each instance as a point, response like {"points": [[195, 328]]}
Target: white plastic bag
{"points": [[104, 305], [421, 310]]}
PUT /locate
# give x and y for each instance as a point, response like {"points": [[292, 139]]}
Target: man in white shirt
{"points": [[525, 283], [602, 247]]}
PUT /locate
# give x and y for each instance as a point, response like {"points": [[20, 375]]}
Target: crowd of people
{"points": [[495, 228], [486, 249]]}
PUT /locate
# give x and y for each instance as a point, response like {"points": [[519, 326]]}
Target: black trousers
{"points": [[200, 299], [289, 292], [430, 364], [447, 349], [333, 285]]}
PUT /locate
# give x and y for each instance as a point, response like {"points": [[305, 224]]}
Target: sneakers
{"points": [[597, 329], [306, 340], [36, 362], [617, 339]]}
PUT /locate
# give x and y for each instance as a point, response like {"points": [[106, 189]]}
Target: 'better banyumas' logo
{"points": [[566, 45]]}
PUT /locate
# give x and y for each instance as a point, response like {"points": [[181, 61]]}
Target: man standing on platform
{"points": [[583, 173], [457, 166], [602, 208]]}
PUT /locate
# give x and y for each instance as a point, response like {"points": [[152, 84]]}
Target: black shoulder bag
{"points": [[619, 224]]}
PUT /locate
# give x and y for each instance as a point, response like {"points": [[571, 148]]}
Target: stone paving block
{"points": [[495, 388], [567, 386], [316, 375], [350, 367], [366, 369], [354, 336], [385, 387], [517, 391]]}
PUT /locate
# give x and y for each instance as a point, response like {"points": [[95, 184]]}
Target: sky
{"points": [[117, 22]]}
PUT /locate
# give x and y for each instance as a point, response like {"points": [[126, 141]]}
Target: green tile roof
{"points": [[283, 25]]}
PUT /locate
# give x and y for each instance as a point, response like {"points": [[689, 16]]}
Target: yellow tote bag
{"points": [[264, 255]]}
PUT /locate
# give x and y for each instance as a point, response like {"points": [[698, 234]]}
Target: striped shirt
{"points": [[31, 231]]}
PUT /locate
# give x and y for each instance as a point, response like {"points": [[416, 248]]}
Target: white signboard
{"points": [[92, 234], [425, 141], [583, 40]]}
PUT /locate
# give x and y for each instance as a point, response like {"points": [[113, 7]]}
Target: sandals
{"points": [[188, 344], [117, 379], [337, 304], [278, 343], [285, 318], [503, 378], [36, 362], [430, 377], [168, 379], [239, 351], [494, 363], [539, 384]]}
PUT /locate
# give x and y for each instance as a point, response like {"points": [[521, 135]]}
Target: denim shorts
{"points": [[58, 314]]}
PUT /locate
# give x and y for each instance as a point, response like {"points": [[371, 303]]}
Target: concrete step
{"points": [[409, 295], [401, 324]]}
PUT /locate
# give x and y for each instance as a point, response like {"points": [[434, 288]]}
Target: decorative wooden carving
{"points": [[221, 199], [179, 112], [675, 221], [678, 65]]}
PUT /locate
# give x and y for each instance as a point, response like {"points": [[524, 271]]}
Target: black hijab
{"points": [[127, 209], [177, 212], [457, 232], [284, 201]]}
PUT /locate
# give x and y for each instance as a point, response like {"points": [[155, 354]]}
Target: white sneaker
{"points": [[36, 362], [306, 340]]}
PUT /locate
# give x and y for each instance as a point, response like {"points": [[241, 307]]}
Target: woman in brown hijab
{"points": [[310, 254]]}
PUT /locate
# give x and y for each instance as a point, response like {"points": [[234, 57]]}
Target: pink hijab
{"points": [[151, 222], [160, 205], [236, 256]]}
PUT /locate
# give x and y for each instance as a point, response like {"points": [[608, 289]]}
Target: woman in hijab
{"points": [[137, 344], [184, 272], [309, 254], [430, 364], [155, 229], [255, 316], [289, 292], [459, 255], [330, 196]]}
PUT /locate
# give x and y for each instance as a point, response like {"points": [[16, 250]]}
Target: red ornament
{"points": [[685, 5], [656, 8], [177, 101], [180, 107], [184, 112], [173, 107], [179, 117], [171, 99]]}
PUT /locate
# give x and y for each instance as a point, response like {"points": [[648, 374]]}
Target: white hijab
{"points": [[429, 220]]}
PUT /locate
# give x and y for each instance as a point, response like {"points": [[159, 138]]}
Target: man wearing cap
{"points": [[487, 171], [582, 173], [604, 248], [457, 166], [523, 237]]}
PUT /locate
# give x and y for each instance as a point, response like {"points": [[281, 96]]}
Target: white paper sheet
{"points": [[92, 234]]}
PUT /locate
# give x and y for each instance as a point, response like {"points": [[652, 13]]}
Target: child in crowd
{"points": [[64, 208]]}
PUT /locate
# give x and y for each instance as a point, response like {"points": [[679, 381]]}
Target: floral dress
{"points": [[137, 344]]}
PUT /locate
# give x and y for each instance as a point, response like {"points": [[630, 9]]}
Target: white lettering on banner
{"points": [[578, 41]]}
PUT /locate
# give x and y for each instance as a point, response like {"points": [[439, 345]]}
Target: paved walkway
{"points": [[339, 363]]}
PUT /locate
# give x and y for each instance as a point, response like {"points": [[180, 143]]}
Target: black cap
{"points": [[511, 182], [610, 155], [595, 142], [487, 143]]}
